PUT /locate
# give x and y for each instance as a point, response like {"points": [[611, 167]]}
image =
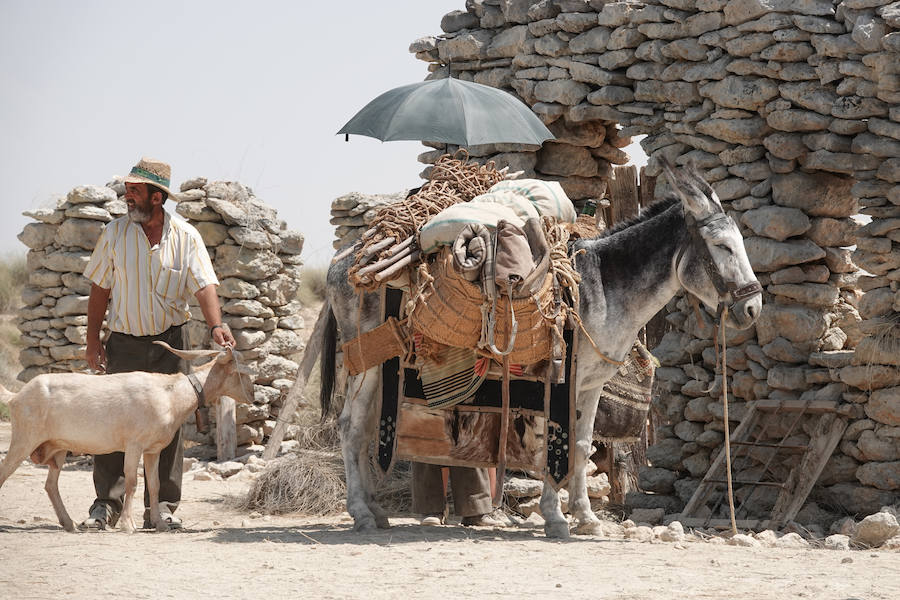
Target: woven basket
{"points": [[374, 347], [452, 314], [625, 399]]}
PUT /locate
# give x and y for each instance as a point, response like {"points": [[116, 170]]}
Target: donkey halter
{"points": [[724, 288]]}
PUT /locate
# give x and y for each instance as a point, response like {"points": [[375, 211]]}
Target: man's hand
{"points": [[223, 337], [209, 304], [95, 354]]}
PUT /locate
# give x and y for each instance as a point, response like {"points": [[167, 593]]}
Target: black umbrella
{"points": [[450, 111]]}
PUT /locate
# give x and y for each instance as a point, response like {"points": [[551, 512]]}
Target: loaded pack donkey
{"points": [[136, 413], [683, 241]]}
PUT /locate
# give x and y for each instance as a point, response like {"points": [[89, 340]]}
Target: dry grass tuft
{"points": [[312, 285], [308, 482], [311, 482]]}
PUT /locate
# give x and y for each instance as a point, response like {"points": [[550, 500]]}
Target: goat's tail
{"points": [[327, 362], [5, 394]]}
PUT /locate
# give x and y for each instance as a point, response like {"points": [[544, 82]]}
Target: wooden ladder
{"points": [[832, 421]]}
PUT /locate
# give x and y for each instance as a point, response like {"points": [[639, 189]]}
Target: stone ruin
{"points": [[256, 258], [791, 110]]}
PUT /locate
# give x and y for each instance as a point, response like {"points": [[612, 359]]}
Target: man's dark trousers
{"points": [[131, 353]]}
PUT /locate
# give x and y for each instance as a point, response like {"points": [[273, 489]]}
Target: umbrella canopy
{"points": [[450, 111]]}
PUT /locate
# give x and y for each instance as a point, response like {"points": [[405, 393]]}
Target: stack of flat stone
{"points": [[791, 110], [351, 214], [256, 258], [53, 320]]}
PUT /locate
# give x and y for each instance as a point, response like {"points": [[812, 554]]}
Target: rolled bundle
{"points": [[472, 249]]}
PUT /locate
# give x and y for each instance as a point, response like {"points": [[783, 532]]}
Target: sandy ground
{"points": [[223, 553]]}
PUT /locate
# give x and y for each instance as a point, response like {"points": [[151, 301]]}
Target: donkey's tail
{"points": [[327, 362]]}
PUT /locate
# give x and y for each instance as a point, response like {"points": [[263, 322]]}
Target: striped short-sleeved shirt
{"points": [[149, 287]]}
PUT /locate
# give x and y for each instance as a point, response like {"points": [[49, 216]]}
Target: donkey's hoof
{"points": [[365, 525], [382, 523], [589, 528], [558, 531]]}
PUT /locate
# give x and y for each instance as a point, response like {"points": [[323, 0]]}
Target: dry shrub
{"points": [[311, 482], [13, 276], [312, 285]]}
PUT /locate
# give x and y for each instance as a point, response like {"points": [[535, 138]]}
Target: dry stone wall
{"points": [[791, 109], [256, 258], [352, 214]]}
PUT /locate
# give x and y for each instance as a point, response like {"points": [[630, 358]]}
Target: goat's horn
{"points": [[187, 354]]}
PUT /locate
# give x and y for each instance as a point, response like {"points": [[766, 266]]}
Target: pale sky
{"points": [[246, 91]]}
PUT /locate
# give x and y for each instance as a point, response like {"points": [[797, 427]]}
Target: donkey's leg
{"points": [[556, 525], [56, 463], [579, 502], [352, 427], [369, 483]]}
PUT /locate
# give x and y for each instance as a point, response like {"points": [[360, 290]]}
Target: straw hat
{"points": [[152, 171]]}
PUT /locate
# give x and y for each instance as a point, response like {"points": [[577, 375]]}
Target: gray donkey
{"points": [[629, 274]]}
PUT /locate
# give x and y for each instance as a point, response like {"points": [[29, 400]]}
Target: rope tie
{"points": [[724, 315]]}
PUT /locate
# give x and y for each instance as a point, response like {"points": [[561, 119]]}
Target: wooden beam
{"points": [[623, 194], [226, 429], [824, 440], [705, 487], [295, 395]]}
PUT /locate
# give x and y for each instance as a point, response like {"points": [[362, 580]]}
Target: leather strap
{"points": [[201, 415], [198, 389]]}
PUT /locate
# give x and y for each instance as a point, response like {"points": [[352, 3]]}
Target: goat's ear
{"points": [[187, 354]]}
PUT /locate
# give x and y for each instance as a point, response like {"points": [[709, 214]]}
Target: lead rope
{"points": [[724, 316]]}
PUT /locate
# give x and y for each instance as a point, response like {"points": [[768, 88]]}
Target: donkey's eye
{"points": [[725, 248]]}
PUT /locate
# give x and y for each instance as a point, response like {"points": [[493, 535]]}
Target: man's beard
{"points": [[137, 215]]}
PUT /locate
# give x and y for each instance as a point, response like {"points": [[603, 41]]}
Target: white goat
{"points": [[135, 412]]}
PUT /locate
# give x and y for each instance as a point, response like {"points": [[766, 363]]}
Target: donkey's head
{"points": [[712, 264]]}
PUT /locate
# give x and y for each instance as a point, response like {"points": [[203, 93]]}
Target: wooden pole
{"points": [[623, 194], [226, 429], [310, 354]]}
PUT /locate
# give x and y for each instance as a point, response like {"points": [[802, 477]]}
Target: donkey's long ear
{"points": [[695, 194], [187, 354]]}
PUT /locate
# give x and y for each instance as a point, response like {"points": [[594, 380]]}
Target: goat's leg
{"points": [[556, 525], [19, 449], [151, 480], [579, 502], [55, 463], [132, 456], [352, 427]]}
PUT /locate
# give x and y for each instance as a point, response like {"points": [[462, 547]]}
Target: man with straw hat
{"points": [[148, 264]]}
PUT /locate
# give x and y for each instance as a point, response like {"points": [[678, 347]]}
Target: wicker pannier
{"points": [[453, 310], [374, 347]]}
